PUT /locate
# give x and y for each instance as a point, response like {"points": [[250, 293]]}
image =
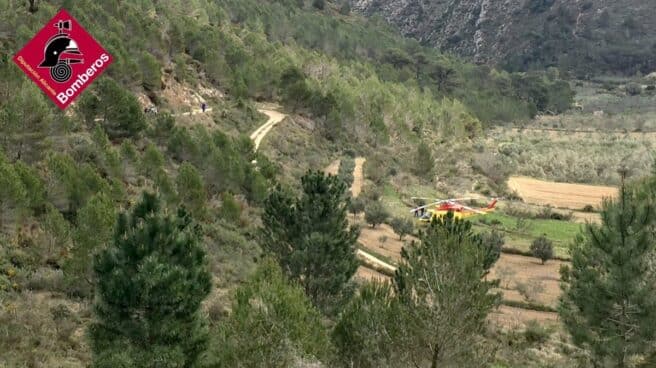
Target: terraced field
{"points": [[560, 195]]}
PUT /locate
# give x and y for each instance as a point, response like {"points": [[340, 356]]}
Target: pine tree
{"points": [[95, 226], [445, 299], [13, 194], [492, 243], [26, 119], [119, 110], [310, 236], [271, 324], [150, 284], [152, 161], [609, 300], [191, 190], [71, 184], [424, 162], [365, 335]]}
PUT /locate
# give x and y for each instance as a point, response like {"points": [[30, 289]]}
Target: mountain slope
{"points": [[583, 36]]}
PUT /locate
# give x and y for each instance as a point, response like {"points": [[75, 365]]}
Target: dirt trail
{"points": [[358, 176], [275, 117], [560, 195], [190, 113], [372, 263], [194, 112]]}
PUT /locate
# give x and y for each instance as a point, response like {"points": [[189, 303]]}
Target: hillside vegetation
{"points": [[167, 240], [588, 38]]}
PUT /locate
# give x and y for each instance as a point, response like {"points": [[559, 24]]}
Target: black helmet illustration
{"points": [[60, 52]]}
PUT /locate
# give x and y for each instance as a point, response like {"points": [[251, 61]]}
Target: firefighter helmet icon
{"points": [[60, 52]]}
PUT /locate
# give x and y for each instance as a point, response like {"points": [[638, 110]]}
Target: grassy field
{"points": [[521, 232]]}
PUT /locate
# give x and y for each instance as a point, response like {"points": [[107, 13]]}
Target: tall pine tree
{"points": [[609, 299], [310, 237], [445, 298], [149, 287]]}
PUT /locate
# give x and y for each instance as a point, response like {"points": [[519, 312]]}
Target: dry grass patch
{"points": [[561, 195]]}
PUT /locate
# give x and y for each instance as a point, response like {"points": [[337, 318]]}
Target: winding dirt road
{"points": [[275, 117], [376, 267]]}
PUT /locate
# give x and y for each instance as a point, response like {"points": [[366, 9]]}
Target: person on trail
{"points": [[203, 106]]}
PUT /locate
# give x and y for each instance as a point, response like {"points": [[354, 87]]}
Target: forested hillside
{"points": [[586, 38], [65, 176]]}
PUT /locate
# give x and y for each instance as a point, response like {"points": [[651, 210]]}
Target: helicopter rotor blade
{"points": [[425, 206], [473, 210]]}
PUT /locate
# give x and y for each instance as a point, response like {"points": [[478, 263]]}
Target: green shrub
{"points": [[230, 208], [271, 321], [119, 110], [346, 166], [364, 333], [535, 333], [542, 248], [375, 213], [402, 226], [492, 242], [356, 205]]}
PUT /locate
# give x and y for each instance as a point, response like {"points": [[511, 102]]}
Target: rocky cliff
{"points": [[581, 35]]}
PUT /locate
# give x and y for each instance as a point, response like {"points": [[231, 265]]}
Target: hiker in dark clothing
{"points": [[203, 106]]}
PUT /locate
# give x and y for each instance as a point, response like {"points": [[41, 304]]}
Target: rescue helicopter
{"points": [[441, 207]]}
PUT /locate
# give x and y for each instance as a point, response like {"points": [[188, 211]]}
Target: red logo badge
{"points": [[63, 59]]}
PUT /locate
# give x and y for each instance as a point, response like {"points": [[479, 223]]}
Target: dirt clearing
{"points": [[540, 282], [333, 168], [560, 195], [382, 240]]}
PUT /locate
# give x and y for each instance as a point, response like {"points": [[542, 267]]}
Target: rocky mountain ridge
{"points": [[578, 35]]}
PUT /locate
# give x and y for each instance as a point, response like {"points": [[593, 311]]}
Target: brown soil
{"points": [[333, 168], [561, 195], [530, 272], [389, 247], [512, 318], [368, 274], [520, 269], [358, 176]]}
